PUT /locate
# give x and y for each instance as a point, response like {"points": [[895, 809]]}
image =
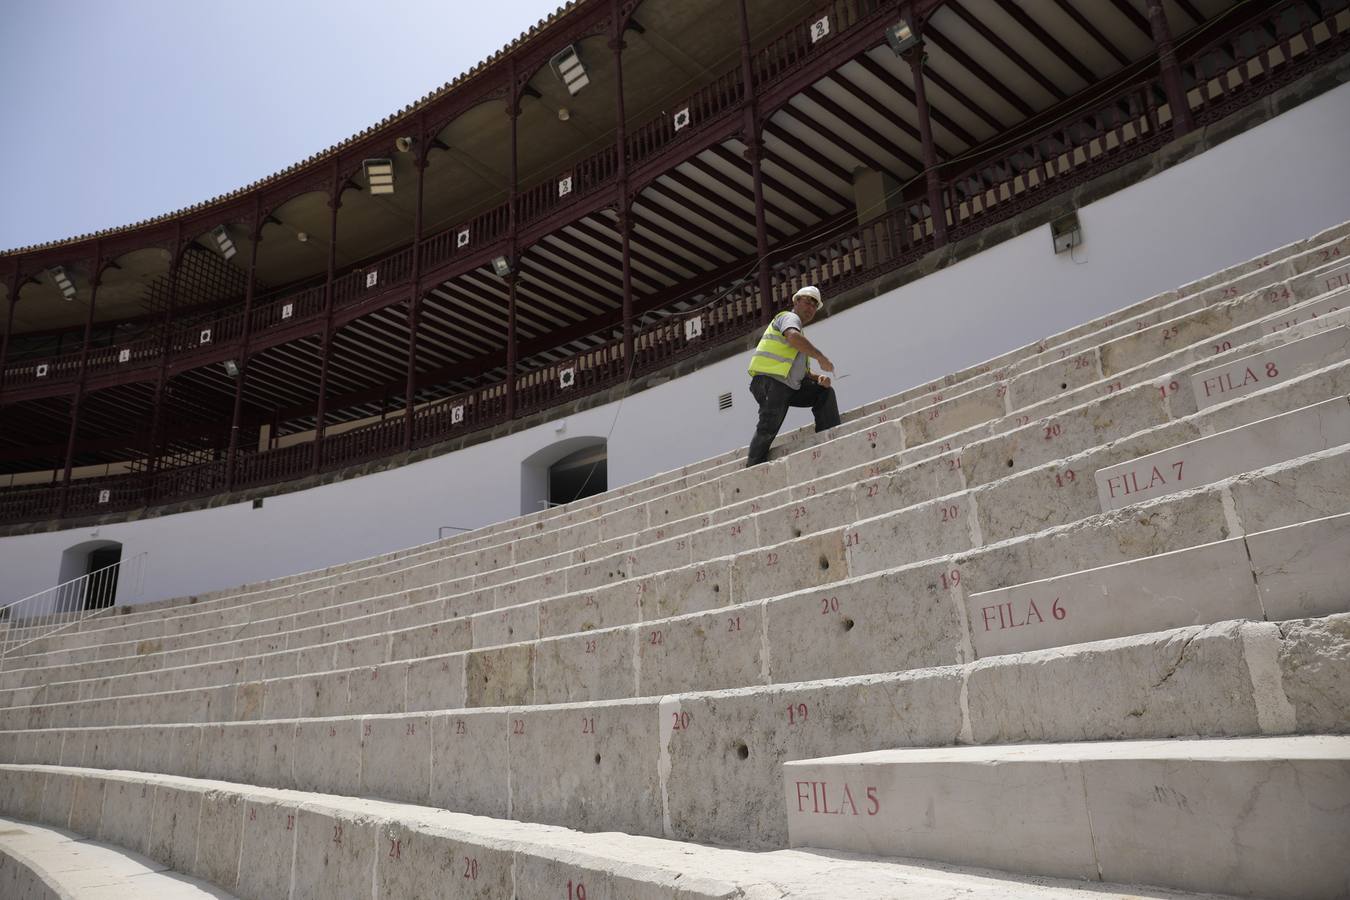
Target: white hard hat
{"points": [[812, 292]]}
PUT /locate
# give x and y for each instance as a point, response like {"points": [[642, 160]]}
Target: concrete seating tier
{"points": [[265, 844], [707, 766], [426, 572], [527, 629], [764, 522], [939, 571], [1306, 254], [43, 863], [412, 661], [1269, 814]]}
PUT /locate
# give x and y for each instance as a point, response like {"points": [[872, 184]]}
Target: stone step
{"points": [[330, 846], [587, 611], [1203, 461], [749, 576], [1293, 250], [1239, 377], [1259, 576], [43, 863], [1267, 816], [707, 766], [320, 595]]}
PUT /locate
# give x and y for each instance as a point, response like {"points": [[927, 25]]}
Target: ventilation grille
{"points": [[724, 401]]}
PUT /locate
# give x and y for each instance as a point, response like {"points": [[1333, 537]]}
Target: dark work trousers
{"points": [[774, 398]]}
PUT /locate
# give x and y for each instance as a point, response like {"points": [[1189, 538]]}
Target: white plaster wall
{"points": [[1277, 183]]}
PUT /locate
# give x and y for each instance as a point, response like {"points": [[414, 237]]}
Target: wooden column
{"points": [[14, 281], [624, 222], [166, 344], [1182, 122], [932, 177], [513, 246], [420, 150], [78, 397], [255, 237], [754, 152], [334, 203]]}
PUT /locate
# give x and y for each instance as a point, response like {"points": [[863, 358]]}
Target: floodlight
{"points": [[63, 281], [901, 37], [231, 368], [569, 69], [404, 144], [379, 175], [502, 266], [223, 241]]}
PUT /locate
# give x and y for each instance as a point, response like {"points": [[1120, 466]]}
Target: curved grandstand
{"points": [[1062, 599]]}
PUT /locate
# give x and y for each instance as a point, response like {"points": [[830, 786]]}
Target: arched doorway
{"points": [[98, 560], [562, 472]]}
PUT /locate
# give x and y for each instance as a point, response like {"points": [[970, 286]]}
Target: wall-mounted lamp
{"points": [[901, 37], [1066, 232]]}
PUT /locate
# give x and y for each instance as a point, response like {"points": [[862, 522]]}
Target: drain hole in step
{"points": [[1064, 386], [824, 563], [510, 632], [848, 624], [742, 751], [597, 759], [717, 589], [874, 446], [796, 532], [1010, 463]]}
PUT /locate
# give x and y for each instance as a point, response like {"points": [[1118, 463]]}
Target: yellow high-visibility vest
{"points": [[774, 355]]}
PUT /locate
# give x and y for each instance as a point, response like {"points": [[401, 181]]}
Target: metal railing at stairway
{"points": [[65, 606]]}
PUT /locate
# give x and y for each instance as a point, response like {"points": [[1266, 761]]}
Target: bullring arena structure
{"points": [[382, 529]]}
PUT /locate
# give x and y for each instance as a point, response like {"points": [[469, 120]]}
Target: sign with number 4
{"points": [[567, 377]]}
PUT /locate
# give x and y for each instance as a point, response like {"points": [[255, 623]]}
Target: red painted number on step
{"points": [[337, 834], [829, 605], [517, 726], [590, 646], [577, 891], [852, 539], [587, 725], [395, 848], [366, 729], [460, 727], [951, 579], [656, 638], [680, 721], [1068, 476], [951, 513], [470, 868], [771, 559], [796, 713]]}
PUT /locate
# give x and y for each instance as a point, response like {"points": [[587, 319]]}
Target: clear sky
{"points": [[114, 111]]}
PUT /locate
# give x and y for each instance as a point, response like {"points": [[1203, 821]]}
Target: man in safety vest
{"points": [[780, 374]]}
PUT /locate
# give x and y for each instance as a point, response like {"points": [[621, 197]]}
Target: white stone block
{"points": [[1301, 569], [1272, 365], [1209, 459], [1307, 312], [1182, 814], [1199, 585], [469, 771], [396, 758]]}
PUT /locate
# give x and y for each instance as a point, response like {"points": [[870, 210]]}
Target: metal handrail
{"points": [[56, 609]]}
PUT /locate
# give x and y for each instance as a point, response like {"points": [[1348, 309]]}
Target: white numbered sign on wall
{"points": [[693, 328], [372, 279], [287, 310], [104, 496], [124, 356], [456, 414], [564, 186]]}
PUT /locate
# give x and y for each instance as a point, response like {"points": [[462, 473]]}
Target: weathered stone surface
{"points": [[592, 666], [420, 860], [1300, 568], [1188, 681], [327, 755], [436, 682], [469, 762], [811, 560], [702, 652], [503, 676], [894, 621], [1314, 660], [724, 781], [173, 827], [1273, 365], [396, 758], [590, 767], [1243, 449], [1198, 585]]}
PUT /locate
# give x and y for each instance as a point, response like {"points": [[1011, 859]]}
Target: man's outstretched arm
{"points": [[799, 342]]}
